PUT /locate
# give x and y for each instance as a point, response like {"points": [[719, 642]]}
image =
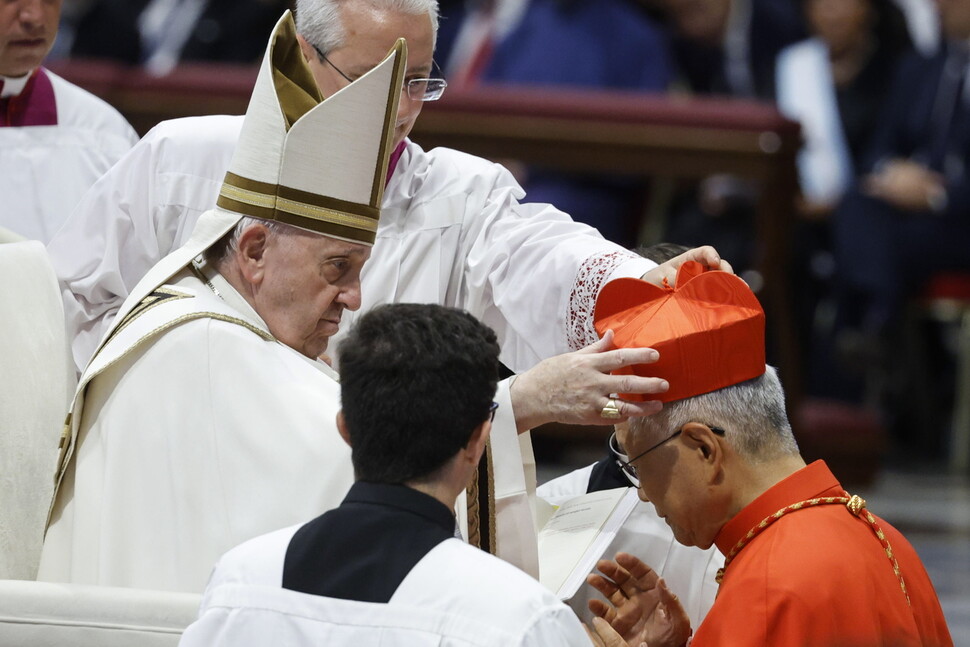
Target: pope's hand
{"points": [[706, 256], [574, 387], [641, 608]]}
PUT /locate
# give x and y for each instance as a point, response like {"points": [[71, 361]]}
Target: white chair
{"points": [[36, 381], [43, 614]]}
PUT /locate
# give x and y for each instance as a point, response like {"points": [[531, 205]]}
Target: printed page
{"points": [[576, 535]]}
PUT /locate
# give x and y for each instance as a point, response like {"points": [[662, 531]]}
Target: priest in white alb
{"points": [[55, 138]]}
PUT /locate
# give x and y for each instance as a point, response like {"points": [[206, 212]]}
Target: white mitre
{"points": [[315, 163], [318, 164]]}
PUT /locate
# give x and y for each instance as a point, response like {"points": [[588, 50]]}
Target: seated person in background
{"points": [[805, 562], [688, 570], [612, 45], [729, 47], [55, 138], [912, 206], [834, 84], [417, 383], [726, 48], [224, 334]]}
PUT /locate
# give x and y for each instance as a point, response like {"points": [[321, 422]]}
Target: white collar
{"points": [[13, 86]]}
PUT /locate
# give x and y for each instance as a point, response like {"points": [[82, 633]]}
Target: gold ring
{"points": [[610, 411]]}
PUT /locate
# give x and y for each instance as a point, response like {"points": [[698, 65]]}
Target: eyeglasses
{"points": [[626, 464], [417, 89], [491, 411]]}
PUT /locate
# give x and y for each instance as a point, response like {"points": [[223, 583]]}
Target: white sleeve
{"points": [[532, 273], [144, 207], [556, 625]]}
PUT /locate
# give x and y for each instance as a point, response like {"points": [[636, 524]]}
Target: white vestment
{"points": [[688, 571], [456, 596], [452, 232], [44, 170], [194, 430]]}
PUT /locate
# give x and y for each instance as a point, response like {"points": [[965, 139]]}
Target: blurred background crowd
{"points": [[881, 220]]}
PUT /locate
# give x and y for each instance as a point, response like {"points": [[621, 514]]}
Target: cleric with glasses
{"points": [[418, 89]]}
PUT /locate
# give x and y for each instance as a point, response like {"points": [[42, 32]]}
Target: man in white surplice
{"points": [[385, 567], [206, 417], [55, 138]]}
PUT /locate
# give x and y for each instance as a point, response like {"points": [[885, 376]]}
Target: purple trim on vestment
{"points": [[35, 106], [395, 156]]}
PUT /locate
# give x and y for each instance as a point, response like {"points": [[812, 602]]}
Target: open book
{"points": [[573, 536]]}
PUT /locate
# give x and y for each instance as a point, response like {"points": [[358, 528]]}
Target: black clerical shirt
{"points": [[365, 548]]}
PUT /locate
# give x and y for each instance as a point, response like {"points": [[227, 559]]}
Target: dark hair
{"points": [[661, 252], [415, 382]]}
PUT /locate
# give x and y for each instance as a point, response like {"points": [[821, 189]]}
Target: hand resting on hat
{"points": [[574, 387], [706, 256]]}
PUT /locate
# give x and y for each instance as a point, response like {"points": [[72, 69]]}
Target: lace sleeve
{"points": [[593, 274]]}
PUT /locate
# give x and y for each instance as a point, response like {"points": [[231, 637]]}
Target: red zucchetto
{"points": [[709, 330]]}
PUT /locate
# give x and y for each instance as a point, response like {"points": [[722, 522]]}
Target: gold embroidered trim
{"points": [[327, 215], [296, 89], [156, 297], [472, 511], [490, 502], [855, 504], [246, 196], [390, 116], [328, 210], [68, 436]]}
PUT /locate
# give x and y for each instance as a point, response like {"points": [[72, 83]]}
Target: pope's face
{"points": [[27, 31], [667, 481], [370, 34], [306, 282]]}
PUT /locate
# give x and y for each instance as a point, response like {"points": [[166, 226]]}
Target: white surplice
{"points": [[688, 571], [44, 170], [452, 231], [455, 596]]}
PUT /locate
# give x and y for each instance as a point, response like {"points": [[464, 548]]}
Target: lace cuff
{"points": [[594, 272]]}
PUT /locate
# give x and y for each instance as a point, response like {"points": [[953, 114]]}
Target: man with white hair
{"points": [[805, 562], [453, 230]]}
